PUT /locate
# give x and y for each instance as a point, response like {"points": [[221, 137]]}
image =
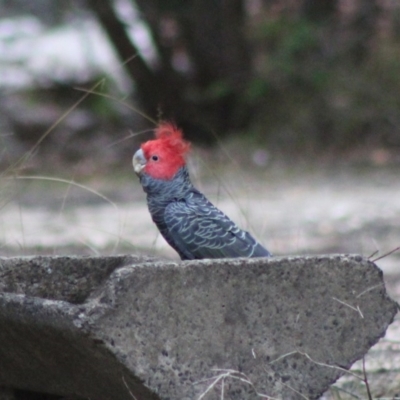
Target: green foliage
{"points": [[217, 90], [287, 43], [257, 89], [306, 97]]}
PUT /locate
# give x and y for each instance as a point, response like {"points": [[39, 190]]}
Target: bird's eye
{"points": [[154, 158]]}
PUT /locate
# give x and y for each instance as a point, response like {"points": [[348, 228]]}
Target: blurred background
{"points": [[302, 77], [293, 107]]}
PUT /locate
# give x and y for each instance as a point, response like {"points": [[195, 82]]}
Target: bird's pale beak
{"points": [[138, 161]]}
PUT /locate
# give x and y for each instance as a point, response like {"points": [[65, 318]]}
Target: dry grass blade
{"points": [[339, 389], [129, 390], [89, 246], [29, 153], [369, 289], [350, 306], [296, 391], [283, 356], [124, 103], [76, 184], [131, 135], [211, 386], [230, 373], [317, 363], [69, 182]]}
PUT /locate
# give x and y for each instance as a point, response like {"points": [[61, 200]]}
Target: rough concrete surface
{"points": [[119, 328]]}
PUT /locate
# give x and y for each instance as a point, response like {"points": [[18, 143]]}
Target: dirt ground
{"points": [[304, 209]]}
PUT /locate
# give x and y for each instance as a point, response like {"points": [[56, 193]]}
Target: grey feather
{"points": [[192, 225]]}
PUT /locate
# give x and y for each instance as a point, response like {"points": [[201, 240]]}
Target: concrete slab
{"points": [[126, 328]]}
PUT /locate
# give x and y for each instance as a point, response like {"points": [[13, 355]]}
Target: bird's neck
{"points": [[160, 193], [166, 190]]}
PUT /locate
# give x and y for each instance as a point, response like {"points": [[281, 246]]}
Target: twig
{"points": [[366, 380], [386, 254], [373, 254]]}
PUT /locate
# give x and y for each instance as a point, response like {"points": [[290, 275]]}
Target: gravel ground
{"points": [[302, 210]]}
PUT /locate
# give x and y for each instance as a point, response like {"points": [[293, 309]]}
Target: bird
{"points": [[187, 220]]}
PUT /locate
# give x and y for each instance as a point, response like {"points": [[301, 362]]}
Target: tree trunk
{"points": [[216, 42], [145, 80], [319, 10], [364, 29], [211, 35]]}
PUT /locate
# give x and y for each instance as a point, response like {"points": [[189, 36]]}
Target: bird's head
{"points": [[162, 157]]}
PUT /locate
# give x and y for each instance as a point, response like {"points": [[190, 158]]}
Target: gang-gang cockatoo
{"points": [[189, 222]]}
